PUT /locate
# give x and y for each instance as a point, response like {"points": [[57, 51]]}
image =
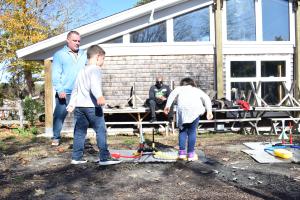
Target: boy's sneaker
{"points": [[192, 156], [55, 143], [77, 162], [109, 161], [181, 154]]}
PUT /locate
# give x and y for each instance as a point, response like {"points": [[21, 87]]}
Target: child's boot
{"points": [[192, 156], [181, 154]]}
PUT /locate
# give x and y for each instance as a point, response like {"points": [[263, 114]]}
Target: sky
{"points": [[107, 8], [110, 7]]}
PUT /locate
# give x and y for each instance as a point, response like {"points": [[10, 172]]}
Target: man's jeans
{"points": [[94, 118], [188, 132], [155, 106], [59, 115]]}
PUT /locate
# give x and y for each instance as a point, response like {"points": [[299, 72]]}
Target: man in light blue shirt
{"points": [[67, 62]]}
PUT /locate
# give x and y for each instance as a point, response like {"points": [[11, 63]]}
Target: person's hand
{"points": [[70, 108], [101, 101], [166, 110], [163, 98], [62, 95], [209, 115]]}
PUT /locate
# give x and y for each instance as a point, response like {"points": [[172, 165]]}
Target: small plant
{"points": [[26, 131], [129, 142], [3, 146], [32, 109]]}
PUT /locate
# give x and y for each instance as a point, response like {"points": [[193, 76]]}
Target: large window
{"points": [[275, 15], [265, 77], [273, 69], [154, 33], [193, 26], [243, 69], [241, 20]]}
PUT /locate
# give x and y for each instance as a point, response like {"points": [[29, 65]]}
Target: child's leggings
{"points": [[188, 133]]}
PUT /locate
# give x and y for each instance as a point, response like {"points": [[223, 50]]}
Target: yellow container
{"points": [[283, 153]]}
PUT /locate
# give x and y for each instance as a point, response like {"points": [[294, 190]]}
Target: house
{"points": [[225, 45]]}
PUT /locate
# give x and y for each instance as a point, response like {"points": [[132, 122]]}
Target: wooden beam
{"points": [[296, 7], [218, 6], [48, 99]]}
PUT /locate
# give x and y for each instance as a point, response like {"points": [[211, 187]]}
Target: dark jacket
{"points": [[155, 92]]}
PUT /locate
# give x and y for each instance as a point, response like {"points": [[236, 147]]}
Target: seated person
{"points": [[158, 95]]}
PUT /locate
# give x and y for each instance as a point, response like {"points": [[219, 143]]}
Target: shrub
{"points": [[32, 109]]}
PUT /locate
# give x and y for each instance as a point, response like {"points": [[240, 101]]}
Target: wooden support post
{"points": [[21, 113], [296, 7], [218, 6], [48, 100]]}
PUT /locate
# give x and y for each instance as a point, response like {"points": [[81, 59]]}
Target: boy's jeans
{"points": [[59, 115], [89, 117], [189, 131]]}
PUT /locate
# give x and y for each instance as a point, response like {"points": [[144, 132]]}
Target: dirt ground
{"points": [[31, 169]]}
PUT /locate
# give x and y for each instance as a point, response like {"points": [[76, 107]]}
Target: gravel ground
{"points": [[31, 169]]}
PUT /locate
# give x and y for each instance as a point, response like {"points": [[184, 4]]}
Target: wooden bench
{"points": [[138, 115], [251, 121], [276, 122], [163, 124]]}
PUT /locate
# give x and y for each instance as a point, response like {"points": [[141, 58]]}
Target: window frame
{"points": [[259, 26], [210, 14], [258, 78]]}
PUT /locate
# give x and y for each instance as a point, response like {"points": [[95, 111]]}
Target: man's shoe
{"points": [[109, 161], [78, 162], [55, 143]]}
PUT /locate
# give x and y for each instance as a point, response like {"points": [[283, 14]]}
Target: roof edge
{"points": [[98, 25]]}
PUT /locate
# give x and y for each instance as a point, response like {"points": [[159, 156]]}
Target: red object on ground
{"points": [[118, 155]]}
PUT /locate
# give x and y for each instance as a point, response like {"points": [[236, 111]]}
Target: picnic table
{"points": [[279, 123], [251, 118], [233, 116]]}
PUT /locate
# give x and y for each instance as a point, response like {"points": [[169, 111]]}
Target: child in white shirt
{"points": [[190, 100]]}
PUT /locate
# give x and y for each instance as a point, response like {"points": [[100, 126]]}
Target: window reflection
{"points": [[241, 20], [273, 69], [275, 20], [242, 69], [270, 89], [193, 26], [154, 33], [272, 92], [241, 91]]}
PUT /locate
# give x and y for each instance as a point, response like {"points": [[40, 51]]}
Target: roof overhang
{"points": [[39, 51]]}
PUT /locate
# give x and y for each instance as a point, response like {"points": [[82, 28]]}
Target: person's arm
{"points": [[164, 98], [168, 91], [96, 87], [152, 93], [73, 98], [207, 103], [170, 100], [57, 75]]}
